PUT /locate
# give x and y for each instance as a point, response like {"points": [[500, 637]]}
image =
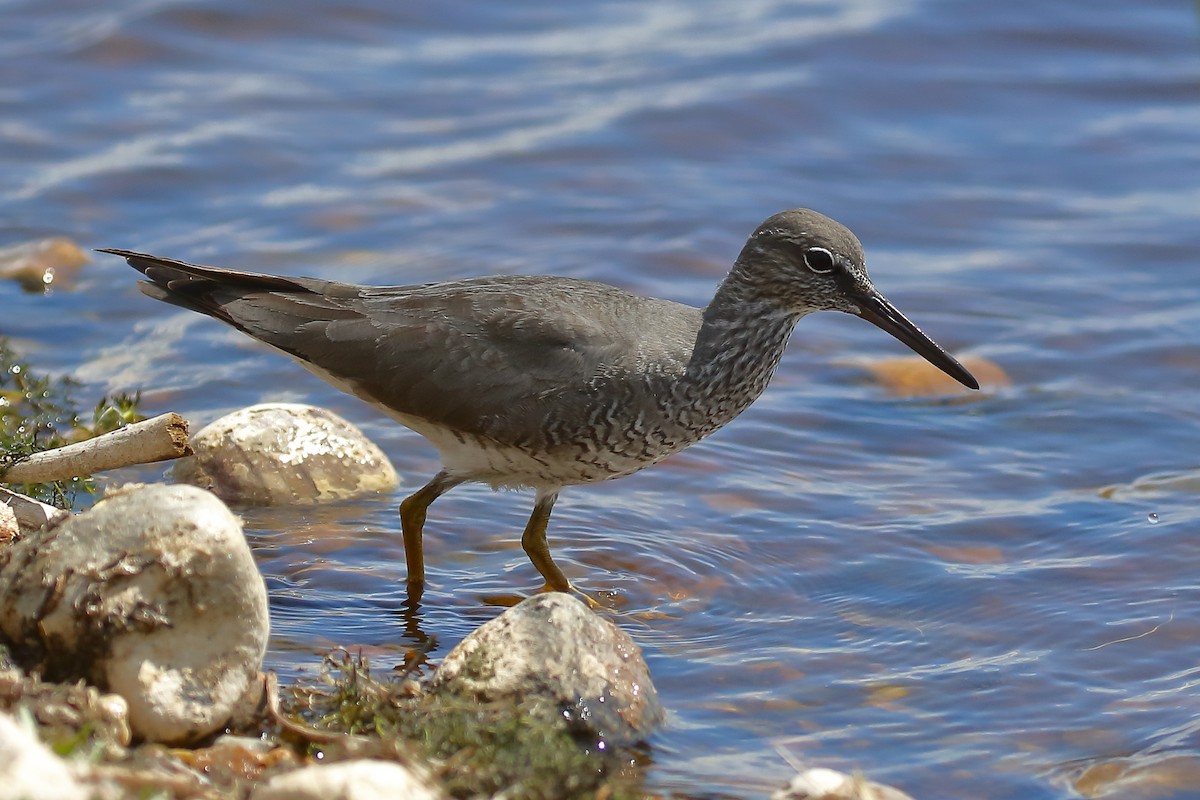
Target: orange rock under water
{"points": [[38, 264], [913, 376], [1139, 776]]}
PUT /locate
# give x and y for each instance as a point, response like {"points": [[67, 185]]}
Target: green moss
{"points": [[519, 748], [40, 413]]}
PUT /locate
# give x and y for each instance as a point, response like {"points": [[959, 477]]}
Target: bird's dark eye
{"points": [[818, 259]]}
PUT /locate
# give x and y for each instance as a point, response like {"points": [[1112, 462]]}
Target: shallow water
{"points": [[979, 598]]}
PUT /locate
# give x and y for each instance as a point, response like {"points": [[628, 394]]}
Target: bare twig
{"points": [[158, 439]]}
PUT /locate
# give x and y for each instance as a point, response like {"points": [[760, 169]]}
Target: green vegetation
{"points": [[511, 748], [40, 413]]}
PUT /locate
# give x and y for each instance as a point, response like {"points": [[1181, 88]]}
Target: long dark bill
{"points": [[876, 309]]}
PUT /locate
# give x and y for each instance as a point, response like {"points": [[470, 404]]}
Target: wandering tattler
{"points": [[545, 382]]}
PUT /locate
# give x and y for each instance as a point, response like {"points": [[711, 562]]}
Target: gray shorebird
{"points": [[544, 382]]}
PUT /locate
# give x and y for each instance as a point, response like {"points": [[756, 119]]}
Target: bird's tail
{"points": [[205, 289]]}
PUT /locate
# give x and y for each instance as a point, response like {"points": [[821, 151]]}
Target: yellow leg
{"points": [[412, 521], [538, 549]]}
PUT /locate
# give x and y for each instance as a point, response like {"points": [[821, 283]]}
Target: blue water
{"points": [[965, 598]]}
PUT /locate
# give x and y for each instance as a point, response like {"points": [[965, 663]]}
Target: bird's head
{"points": [[801, 261]]}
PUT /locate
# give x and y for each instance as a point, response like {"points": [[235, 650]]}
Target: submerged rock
{"points": [[39, 264], [552, 646], [913, 376], [279, 453], [1145, 774], [152, 594], [361, 779]]}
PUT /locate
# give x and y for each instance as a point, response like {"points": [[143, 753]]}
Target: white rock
{"points": [[363, 779], [152, 594], [554, 646], [279, 453], [9, 529], [828, 784], [28, 769]]}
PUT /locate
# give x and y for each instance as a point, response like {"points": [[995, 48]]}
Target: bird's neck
{"points": [[740, 342]]}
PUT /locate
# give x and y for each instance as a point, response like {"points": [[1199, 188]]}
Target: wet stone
{"points": [[553, 647]]}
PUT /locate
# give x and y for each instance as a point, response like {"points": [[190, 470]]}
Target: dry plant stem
{"points": [[158, 439], [306, 733], [31, 514]]}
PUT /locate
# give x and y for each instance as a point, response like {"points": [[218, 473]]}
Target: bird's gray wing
{"points": [[482, 356]]}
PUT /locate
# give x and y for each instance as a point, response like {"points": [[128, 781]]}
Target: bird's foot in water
{"points": [[510, 600], [593, 603]]}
